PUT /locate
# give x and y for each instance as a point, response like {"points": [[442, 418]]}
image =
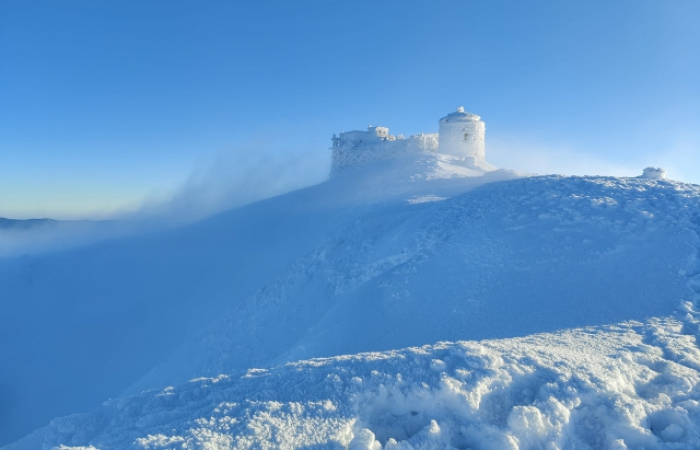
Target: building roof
{"points": [[460, 114]]}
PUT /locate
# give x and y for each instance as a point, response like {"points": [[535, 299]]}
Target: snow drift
{"points": [[630, 385]]}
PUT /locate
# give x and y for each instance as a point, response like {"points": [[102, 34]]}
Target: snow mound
{"points": [[626, 386], [654, 173]]}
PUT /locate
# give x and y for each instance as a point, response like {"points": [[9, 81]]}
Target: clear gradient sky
{"points": [[103, 103]]}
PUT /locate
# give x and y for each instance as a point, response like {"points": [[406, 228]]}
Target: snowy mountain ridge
{"points": [[364, 289], [139, 296], [400, 254]]}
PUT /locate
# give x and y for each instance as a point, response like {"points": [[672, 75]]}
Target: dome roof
{"points": [[460, 114]]}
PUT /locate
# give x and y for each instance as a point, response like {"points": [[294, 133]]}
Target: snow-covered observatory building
{"points": [[461, 135]]}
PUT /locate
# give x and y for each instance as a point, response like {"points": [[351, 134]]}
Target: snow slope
{"points": [[506, 259], [80, 325], [403, 253], [627, 386]]}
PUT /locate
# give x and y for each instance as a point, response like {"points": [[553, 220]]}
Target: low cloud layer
{"points": [[227, 180], [18, 239]]}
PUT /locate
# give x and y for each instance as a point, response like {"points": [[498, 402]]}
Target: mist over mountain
{"points": [[405, 252], [296, 239]]}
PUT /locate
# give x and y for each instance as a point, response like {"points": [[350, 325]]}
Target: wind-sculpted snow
{"points": [[398, 255], [631, 385], [506, 259], [120, 306]]}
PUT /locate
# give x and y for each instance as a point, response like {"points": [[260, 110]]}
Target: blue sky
{"points": [[104, 104]]}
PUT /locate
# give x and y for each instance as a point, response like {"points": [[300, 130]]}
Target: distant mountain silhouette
{"points": [[27, 224]]}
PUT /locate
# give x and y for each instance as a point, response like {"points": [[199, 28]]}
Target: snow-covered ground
{"points": [[80, 325], [630, 385], [401, 254], [507, 259]]}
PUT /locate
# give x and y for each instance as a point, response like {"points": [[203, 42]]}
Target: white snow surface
{"points": [[507, 259], [402, 254], [120, 306], [631, 385]]}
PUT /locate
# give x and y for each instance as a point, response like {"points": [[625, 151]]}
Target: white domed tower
{"points": [[462, 135]]}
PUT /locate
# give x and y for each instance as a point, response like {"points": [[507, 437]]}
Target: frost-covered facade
{"points": [[461, 134]]}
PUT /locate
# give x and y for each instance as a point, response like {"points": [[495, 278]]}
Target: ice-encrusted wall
{"points": [[461, 135], [376, 144]]}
